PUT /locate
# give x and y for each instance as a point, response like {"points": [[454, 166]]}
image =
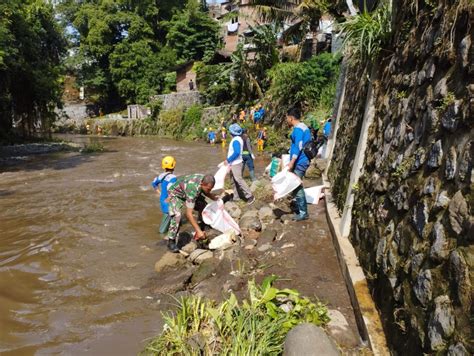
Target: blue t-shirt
{"points": [[165, 179], [299, 137], [327, 129], [211, 135]]}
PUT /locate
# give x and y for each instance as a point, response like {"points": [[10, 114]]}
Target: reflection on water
{"points": [[78, 243]]}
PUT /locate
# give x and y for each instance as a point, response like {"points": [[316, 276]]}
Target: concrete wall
{"points": [[174, 100], [405, 177]]}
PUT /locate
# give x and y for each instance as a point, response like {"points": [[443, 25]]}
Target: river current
{"points": [[78, 243]]}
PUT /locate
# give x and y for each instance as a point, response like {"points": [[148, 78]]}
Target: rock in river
{"points": [[169, 259]]}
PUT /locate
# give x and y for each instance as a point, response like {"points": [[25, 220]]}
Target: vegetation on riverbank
{"points": [[255, 326]]}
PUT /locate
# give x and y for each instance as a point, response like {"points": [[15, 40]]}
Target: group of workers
{"points": [[190, 191]]}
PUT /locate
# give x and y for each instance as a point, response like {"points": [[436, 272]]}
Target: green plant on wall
{"points": [[366, 33]]}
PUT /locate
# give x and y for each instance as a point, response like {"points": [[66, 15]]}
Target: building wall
{"points": [[183, 77]]}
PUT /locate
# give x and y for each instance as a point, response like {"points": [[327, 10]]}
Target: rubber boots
{"points": [[172, 246], [302, 205]]}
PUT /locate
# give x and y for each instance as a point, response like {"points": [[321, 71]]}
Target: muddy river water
{"points": [[78, 243]]}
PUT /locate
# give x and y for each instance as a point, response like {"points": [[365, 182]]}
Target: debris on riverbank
{"points": [[300, 253]]}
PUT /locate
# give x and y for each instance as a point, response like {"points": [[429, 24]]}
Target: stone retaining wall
{"points": [[413, 213], [174, 100]]}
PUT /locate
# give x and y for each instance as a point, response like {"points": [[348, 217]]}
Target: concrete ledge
{"points": [[366, 314]]}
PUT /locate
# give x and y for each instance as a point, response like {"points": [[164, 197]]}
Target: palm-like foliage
{"points": [[367, 32], [302, 15]]}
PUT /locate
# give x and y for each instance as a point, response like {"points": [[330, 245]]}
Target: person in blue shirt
{"points": [[211, 136], [299, 163], [165, 179], [327, 128], [235, 160]]}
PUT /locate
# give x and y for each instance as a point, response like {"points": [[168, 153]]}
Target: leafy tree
{"points": [[251, 61], [309, 84], [121, 57], [303, 15], [192, 33], [214, 82], [31, 46]]}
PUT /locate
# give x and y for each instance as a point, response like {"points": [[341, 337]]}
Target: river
{"points": [[78, 243]]}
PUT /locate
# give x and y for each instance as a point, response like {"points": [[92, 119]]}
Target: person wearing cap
{"points": [[164, 180], [299, 162], [234, 159]]}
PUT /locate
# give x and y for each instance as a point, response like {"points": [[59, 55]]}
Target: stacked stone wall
{"points": [[413, 217]]}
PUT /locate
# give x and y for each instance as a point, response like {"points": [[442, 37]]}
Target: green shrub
{"points": [[191, 125], [155, 107], [310, 83], [257, 326], [366, 33], [214, 82], [93, 147], [170, 122], [169, 83]]}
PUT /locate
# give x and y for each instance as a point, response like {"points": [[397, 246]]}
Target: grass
{"points": [[93, 147], [256, 326]]}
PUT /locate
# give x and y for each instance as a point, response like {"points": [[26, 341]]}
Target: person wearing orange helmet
{"points": [[164, 180]]}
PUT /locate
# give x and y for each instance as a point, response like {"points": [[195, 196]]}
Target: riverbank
{"points": [[301, 254]]}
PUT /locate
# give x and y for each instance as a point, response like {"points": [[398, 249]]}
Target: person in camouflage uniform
{"points": [[186, 191]]}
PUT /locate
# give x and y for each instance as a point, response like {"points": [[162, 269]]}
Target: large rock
{"points": [[435, 157], [205, 270], [423, 287], [457, 350], [441, 324], [169, 259], [189, 247], [250, 213], [233, 209], [440, 248], [458, 212], [198, 256], [266, 214], [340, 330], [459, 273], [267, 237], [175, 281], [250, 223], [308, 340]]}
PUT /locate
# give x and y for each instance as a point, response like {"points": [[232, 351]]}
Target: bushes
{"points": [[214, 83], [310, 83], [180, 124], [257, 326], [367, 32]]}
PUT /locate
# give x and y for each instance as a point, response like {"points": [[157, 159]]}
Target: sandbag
{"points": [[284, 183], [314, 194], [223, 241], [215, 215]]}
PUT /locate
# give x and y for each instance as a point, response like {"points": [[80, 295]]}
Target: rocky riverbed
{"points": [[300, 253]]}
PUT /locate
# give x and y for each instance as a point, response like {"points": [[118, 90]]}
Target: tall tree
{"points": [[31, 47], [120, 53], [192, 33]]}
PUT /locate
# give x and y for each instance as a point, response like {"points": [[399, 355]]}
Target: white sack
{"points": [[284, 183], [215, 215], [314, 194]]}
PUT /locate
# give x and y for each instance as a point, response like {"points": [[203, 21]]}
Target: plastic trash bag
{"points": [[314, 194], [223, 241], [285, 160], [215, 215], [284, 183], [220, 178]]}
